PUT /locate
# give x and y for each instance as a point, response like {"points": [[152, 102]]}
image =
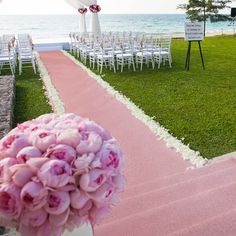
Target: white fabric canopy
{"points": [[95, 24], [82, 22]]}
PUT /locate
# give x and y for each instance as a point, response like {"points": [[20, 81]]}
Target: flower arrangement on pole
{"points": [[58, 172], [82, 10], [94, 8]]}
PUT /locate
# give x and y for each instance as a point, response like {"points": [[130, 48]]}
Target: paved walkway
{"points": [[161, 197]]}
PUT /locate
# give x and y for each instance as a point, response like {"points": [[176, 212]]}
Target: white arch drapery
{"points": [[95, 24], [82, 22]]}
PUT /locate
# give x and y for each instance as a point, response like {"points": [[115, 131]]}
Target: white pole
{"points": [[82, 24], [95, 23]]}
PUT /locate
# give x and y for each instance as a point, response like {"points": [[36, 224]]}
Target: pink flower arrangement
{"points": [[82, 10], [94, 8], [58, 172]]}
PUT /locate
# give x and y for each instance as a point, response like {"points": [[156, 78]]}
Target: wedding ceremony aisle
{"points": [[163, 196]]}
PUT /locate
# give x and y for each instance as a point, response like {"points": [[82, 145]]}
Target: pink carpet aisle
{"points": [[162, 198]]}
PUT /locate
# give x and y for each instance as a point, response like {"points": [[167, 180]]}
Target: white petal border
{"points": [[162, 133], [52, 94]]}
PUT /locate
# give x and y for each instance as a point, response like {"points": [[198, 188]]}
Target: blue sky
{"points": [[108, 6]]}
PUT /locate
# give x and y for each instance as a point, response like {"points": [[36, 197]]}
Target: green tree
{"points": [[202, 10]]}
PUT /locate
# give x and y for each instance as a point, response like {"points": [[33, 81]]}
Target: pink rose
{"points": [[55, 173], [61, 152], [5, 173], [10, 206], [42, 139], [109, 157], [34, 218], [82, 163], [27, 153], [12, 144], [21, 174], [34, 196], [69, 137], [59, 220], [90, 142], [57, 202], [91, 181], [78, 199]]}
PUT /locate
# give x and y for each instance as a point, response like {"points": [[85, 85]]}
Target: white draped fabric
{"points": [[95, 24], [82, 22]]}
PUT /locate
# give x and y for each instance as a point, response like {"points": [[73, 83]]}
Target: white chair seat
{"points": [[115, 52], [125, 55], [6, 58], [156, 53], [144, 54], [105, 57], [164, 53], [26, 57]]}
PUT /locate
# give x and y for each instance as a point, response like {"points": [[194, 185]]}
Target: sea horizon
{"points": [[58, 26]]}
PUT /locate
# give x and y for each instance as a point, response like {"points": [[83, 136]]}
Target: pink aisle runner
{"points": [[148, 161]]}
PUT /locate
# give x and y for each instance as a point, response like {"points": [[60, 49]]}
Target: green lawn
{"points": [[199, 106], [30, 98]]}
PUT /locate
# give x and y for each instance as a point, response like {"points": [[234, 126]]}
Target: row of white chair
{"points": [[116, 53], [13, 50]]}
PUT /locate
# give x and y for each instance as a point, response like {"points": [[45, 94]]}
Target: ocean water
{"points": [[43, 27]]}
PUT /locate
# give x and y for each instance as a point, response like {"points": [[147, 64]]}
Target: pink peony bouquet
{"points": [[58, 172]]}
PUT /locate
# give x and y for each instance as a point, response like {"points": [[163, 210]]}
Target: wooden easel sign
{"points": [[193, 33]]}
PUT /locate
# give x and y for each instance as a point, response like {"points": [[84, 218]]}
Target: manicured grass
{"points": [[30, 97], [30, 100], [198, 105]]}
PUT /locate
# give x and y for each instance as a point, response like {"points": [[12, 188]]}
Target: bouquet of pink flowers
{"points": [[58, 172]]}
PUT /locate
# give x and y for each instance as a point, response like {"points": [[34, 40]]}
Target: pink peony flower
{"points": [[90, 142], [34, 218], [109, 157], [21, 174], [82, 163], [34, 196], [91, 181], [103, 195], [58, 172], [36, 163], [69, 137], [92, 126], [78, 199], [59, 220], [96, 215], [57, 202], [118, 182], [10, 205], [42, 139], [5, 173], [61, 152], [84, 212], [48, 229], [27, 153], [75, 220], [45, 119], [12, 144], [55, 173]]}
